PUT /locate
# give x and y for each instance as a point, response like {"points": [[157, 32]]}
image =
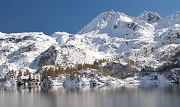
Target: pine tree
{"points": [[20, 73], [51, 72], [122, 75], [5, 78], [95, 65], [131, 62], [106, 72]]}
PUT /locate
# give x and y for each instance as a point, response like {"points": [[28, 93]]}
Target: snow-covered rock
{"points": [[150, 17], [145, 41]]}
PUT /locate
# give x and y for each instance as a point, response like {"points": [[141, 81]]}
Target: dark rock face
{"points": [[150, 16], [48, 57], [172, 62], [118, 70], [153, 17]]}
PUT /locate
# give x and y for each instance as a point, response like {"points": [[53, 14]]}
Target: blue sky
{"points": [[49, 16]]}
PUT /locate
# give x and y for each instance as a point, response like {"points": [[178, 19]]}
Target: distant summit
{"points": [[118, 24], [150, 17]]}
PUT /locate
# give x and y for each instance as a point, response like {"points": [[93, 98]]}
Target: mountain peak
{"points": [[175, 16], [150, 17], [111, 12], [60, 36], [106, 21]]}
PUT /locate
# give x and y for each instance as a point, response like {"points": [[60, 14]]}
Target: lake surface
{"points": [[124, 96]]}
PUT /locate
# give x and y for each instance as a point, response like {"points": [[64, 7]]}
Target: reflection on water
{"points": [[124, 96]]}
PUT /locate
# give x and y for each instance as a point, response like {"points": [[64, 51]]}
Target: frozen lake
{"points": [[124, 96]]}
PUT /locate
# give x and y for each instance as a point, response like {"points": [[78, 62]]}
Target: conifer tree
{"points": [[5, 78], [20, 73], [106, 72]]}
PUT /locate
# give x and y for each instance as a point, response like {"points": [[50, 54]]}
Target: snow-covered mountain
{"points": [[143, 41]]}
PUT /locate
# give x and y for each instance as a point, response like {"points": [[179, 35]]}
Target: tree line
{"points": [[54, 71]]}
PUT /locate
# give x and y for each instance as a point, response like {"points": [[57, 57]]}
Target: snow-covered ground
{"points": [[99, 80], [144, 41]]}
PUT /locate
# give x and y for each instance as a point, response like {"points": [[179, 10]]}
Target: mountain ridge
{"points": [[145, 39]]}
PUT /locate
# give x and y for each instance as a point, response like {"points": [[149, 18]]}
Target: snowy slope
{"points": [[19, 50], [147, 39]]}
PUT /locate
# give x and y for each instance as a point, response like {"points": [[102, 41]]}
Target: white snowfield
{"points": [[145, 39]]}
